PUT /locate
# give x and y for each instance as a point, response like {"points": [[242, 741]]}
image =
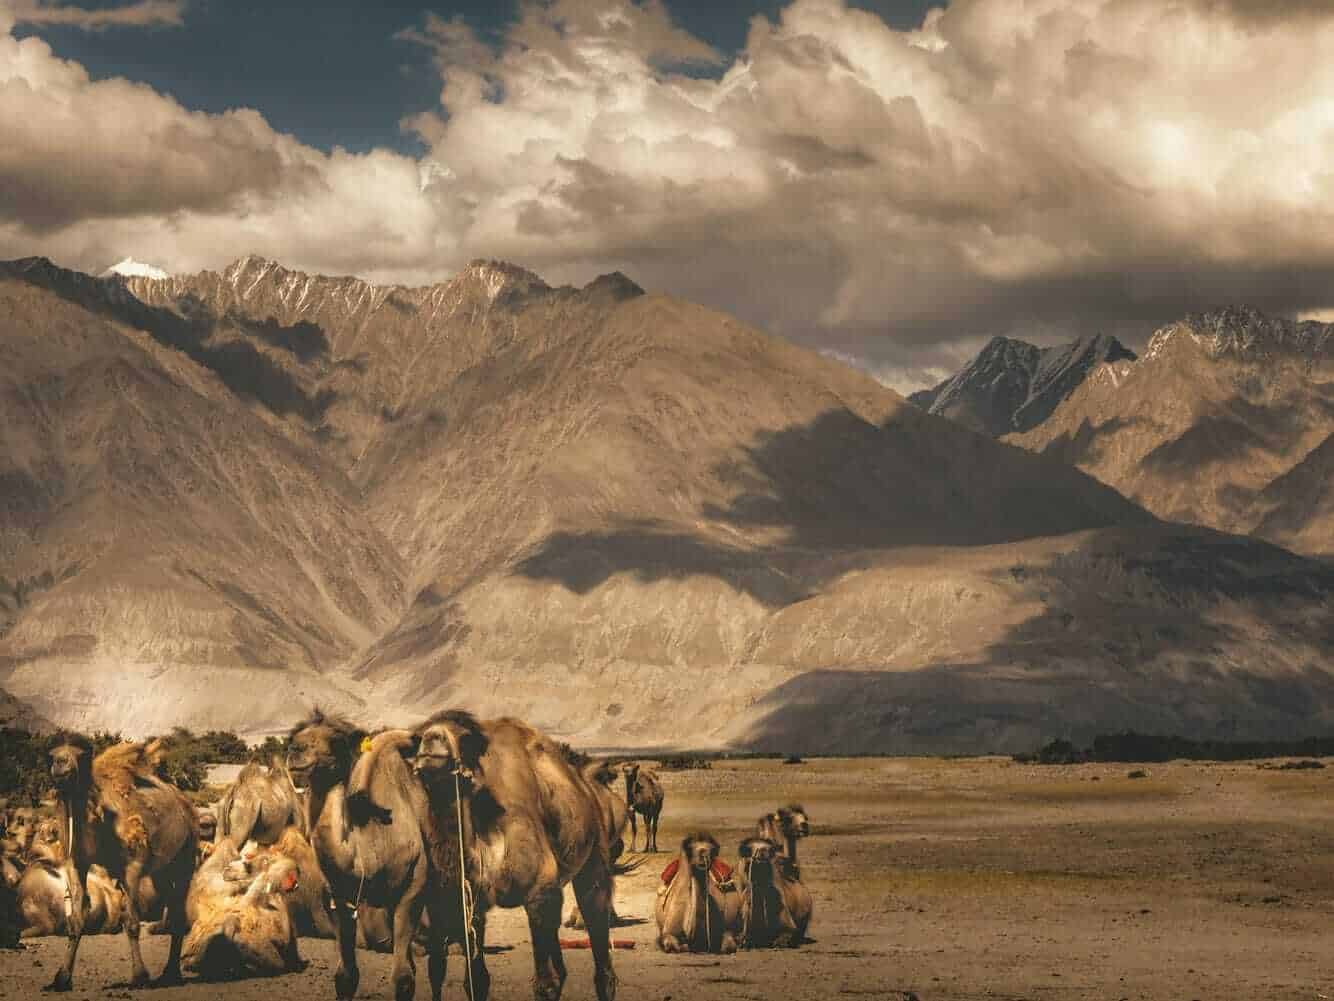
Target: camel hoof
{"points": [[605, 983], [140, 980], [64, 981], [345, 985], [169, 979], [728, 945], [405, 988]]}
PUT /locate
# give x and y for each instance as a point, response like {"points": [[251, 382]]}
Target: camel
{"points": [[643, 796], [11, 923], [116, 812], [785, 827], [775, 906], [43, 890], [530, 823], [247, 934], [697, 909], [260, 805], [306, 903], [364, 815], [615, 815], [20, 828]]}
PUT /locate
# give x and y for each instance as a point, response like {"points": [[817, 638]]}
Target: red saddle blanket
{"points": [[721, 871]]}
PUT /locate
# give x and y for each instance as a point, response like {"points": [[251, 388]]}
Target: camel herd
{"points": [[400, 841]]}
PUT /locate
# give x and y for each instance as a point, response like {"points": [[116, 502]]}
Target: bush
{"points": [[685, 763]]}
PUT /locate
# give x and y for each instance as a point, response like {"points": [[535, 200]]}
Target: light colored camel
{"points": [[775, 907], [260, 805], [363, 813], [530, 823], [246, 934], [116, 812], [696, 910], [643, 796]]}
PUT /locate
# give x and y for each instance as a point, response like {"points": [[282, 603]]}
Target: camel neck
{"points": [[792, 847], [73, 817]]}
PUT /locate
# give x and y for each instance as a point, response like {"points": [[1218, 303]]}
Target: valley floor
{"points": [[959, 879]]}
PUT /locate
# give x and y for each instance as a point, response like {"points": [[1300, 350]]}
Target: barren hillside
{"points": [[630, 519], [1224, 422]]}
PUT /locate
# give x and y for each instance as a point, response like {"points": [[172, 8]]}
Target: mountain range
{"points": [[1013, 386], [635, 521]]}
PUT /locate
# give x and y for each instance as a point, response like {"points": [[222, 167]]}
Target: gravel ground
{"points": [[961, 879]]}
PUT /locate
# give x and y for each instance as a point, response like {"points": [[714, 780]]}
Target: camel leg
{"points": [[592, 888], [407, 916], [651, 823], [544, 929], [481, 976], [173, 887], [634, 829], [437, 956], [134, 872], [64, 978], [347, 976]]}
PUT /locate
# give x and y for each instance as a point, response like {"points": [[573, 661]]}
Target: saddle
{"points": [[721, 871]]}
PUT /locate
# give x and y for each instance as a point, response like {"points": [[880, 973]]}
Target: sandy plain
{"points": [[942, 880]]}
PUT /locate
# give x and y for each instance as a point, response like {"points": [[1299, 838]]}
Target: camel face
{"points": [[794, 821], [208, 825], [448, 745], [701, 853], [67, 761], [45, 844], [313, 759], [19, 831]]}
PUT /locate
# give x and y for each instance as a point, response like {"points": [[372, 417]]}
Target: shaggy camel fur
{"points": [[775, 907], [306, 903], [601, 778], [116, 812], [260, 805], [643, 796], [785, 827], [531, 823], [368, 854], [695, 911], [250, 934]]}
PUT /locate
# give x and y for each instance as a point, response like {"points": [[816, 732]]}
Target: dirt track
{"points": [[950, 879]]}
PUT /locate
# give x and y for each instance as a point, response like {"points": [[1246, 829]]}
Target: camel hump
{"points": [[384, 755]]}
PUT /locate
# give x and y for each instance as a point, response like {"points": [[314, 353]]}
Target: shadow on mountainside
{"points": [[194, 331], [810, 500], [1143, 640]]}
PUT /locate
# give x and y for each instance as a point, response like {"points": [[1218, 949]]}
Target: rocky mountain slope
{"points": [[630, 519], [1225, 422], [1014, 386]]}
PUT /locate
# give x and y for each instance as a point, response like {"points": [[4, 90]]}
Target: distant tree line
{"points": [[25, 771], [1142, 747]]}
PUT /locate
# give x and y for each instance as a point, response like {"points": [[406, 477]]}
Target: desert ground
{"points": [[941, 879]]}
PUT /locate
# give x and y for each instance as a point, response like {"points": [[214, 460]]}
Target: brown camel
{"points": [[601, 778], [785, 827], [775, 907], [246, 934], [20, 829], [260, 805], [643, 796], [306, 903], [697, 910], [11, 923], [367, 854], [530, 823], [116, 812]]}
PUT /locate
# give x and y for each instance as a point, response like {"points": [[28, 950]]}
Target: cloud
{"points": [[143, 14], [1051, 167]]}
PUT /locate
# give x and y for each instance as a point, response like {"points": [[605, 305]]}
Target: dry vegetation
{"points": [[954, 879]]}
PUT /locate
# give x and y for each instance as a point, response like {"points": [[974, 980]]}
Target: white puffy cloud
{"points": [[1045, 165]]}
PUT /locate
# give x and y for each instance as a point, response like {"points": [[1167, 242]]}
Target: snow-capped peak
{"points": [[130, 268]]}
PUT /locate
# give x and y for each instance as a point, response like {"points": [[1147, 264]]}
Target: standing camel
{"points": [[363, 813], [260, 806], [529, 823], [615, 815], [643, 796], [116, 812]]}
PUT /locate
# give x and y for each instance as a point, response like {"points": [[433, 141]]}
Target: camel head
{"points": [[71, 762], [208, 825], [448, 744], [19, 828], [45, 844], [757, 856], [793, 822], [700, 851], [322, 750]]}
